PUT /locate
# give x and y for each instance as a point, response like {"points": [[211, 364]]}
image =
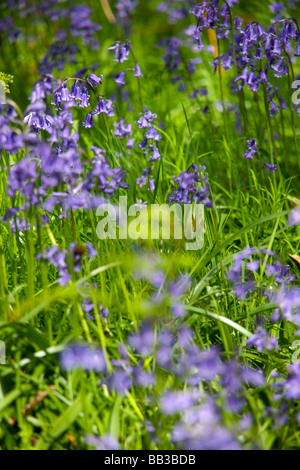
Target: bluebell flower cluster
{"points": [[52, 172], [106, 442], [294, 217], [67, 260], [279, 290], [126, 8], [175, 10], [181, 70], [191, 185], [83, 357], [251, 149], [149, 144], [244, 284], [167, 293], [262, 341], [198, 414], [257, 53]]}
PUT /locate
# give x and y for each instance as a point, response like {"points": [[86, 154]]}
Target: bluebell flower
{"points": [[137, 71], [88, 123], [153, 134], [292, 384], [107, 442], [119, 79], [120, 380], [81, 356], [272, 168], [125, 8], [121, 50], [178, 402], [93, 80], [261, 341], [252, 149], [123, 129], [104, 106], [143, 341], [146, 119], [294, 216]]}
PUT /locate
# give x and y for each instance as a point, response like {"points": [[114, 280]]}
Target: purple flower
{"points": [[292, 384], [81, 356], [143, 378], [200, 91], [84, 103], [282, 274], [282, 103], [243, 289], [88, 123], [178, 402], [261, 341], [165, 343], [172, 55], [146, 119], [153, 134], [273, 109], [104, 106], [137, 71], [192, 186], [107, 442], [253, 266], [288, 300], [10, 113], [277, 7], [125, 8], [253, 377], [120, 79], [57, 257], [130, 143], [272, 168], [93, 80], [121, 50], [200, 428], [120, 381], [196, 366], [91, 250], [155, 156], [82, 26], [143, 341], [252, 149], [178, 310], [178, 288], [22, 178], [123, 129], [294, 217]]}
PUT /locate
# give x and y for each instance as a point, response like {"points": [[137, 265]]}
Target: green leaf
{"points": [[219, 248], [9, 398], [221, 318], [62, 424], [114, 426]]}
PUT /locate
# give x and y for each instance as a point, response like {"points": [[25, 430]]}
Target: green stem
{"points": [[271, 134], [222, 92], [240, 94]]}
